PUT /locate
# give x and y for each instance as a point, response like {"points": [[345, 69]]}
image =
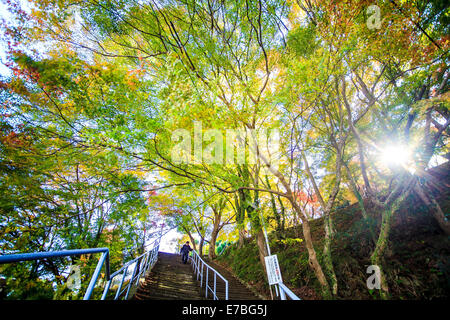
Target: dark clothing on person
{"points": [[185, 253]]}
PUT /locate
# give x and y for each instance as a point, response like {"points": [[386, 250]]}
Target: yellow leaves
{"points": [[137, 173], [38, 15], [68, 104], [18, 86], [7, 230], [443, 99], [312, 133], [290, 241], [296, 12]]}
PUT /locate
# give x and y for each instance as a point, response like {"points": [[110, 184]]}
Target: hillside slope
{"points": [[417, 262]]}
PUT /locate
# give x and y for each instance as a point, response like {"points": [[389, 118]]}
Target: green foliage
{"points": [[303, 40], [244, 262]]}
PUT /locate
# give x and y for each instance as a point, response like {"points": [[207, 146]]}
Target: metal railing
{"points": [[142, 264], [199, 266], [11, 258], [286, 291]]}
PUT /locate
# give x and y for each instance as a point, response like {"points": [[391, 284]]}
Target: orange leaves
{"points": [[306, 198], [131, 79], [132, 76], [13, 139]]}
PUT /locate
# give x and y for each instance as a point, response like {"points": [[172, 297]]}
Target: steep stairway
{"points": [[169, 279]]}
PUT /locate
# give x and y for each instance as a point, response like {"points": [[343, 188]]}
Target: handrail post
{"points": [[131, 281], [152, 259], [105, 291], [201, 275], [198, 267], [121, 283], [104, 256], [206, 283], [143, 263], [215, 296], [226, 290], [139, 270], [282, 294]]}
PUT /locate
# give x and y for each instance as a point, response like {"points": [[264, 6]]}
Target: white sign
{"points": [[273, 269]]}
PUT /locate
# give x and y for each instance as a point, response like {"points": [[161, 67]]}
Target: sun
{"points": [[396, 155]]}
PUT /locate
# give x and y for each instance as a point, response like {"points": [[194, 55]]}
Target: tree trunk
{"points": [[240, 216], [192, 240], [212, 244], [200, 246], [380, 247], [361, 204], [262, 248], [241, 237], [383, 239], [328, 261], [328, 223], [313, 262]]}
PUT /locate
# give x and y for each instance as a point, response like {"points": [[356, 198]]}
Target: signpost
{"points": [[273, 269]]}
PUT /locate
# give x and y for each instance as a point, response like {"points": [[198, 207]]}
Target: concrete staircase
{"points": [[170, 279]]}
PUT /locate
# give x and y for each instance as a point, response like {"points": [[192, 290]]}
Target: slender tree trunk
{"points": [[280, 227], [212, 244], [380, 247], [283, 216], [328, 223], [328, 261], [313, 262], [361, 204], [240, 217], [262, 248], [200, 246], [192, 239], [383, 237]]}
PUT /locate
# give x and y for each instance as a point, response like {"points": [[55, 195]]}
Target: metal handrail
{"points": [[148, 257], [198, 265], [10, 258], [285, 290]]}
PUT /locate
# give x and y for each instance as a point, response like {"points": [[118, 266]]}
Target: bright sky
{"points": [[167, 242]]}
